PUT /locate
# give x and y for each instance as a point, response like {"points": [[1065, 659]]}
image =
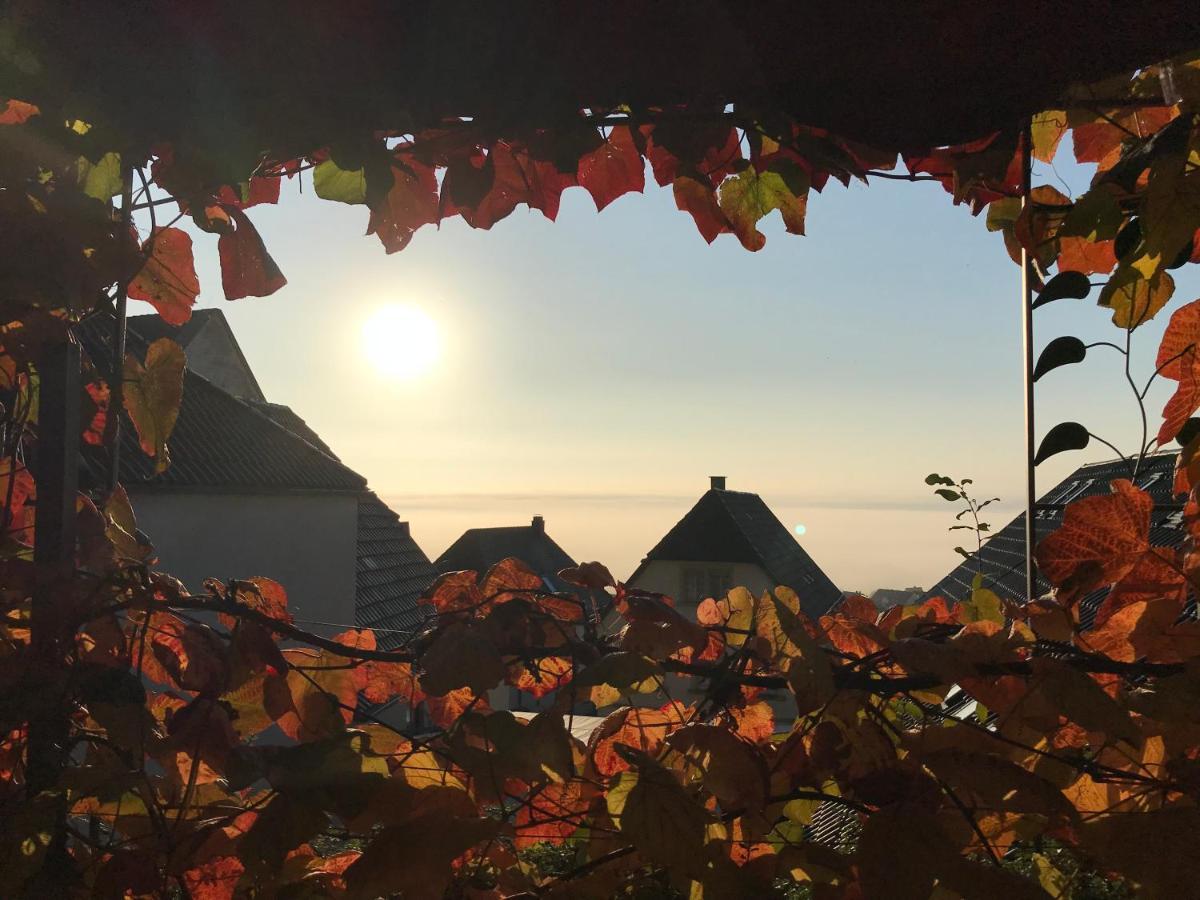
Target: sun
{"points": [[401, 341]]}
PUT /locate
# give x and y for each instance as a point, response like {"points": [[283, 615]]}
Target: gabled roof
{"points": [[481, 548], [1002, 561], [229, 369], [392, 573], [738, 527], [220, 442]]}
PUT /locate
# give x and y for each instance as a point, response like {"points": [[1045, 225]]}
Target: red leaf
{"points": [[591, 575], [1097, 142], [612, 169], [1077, 254], [1100, 541], [99, 395], [518, 178], [700, 201], [257, 190], [215, 879], [167, 280], [411, 203], [247, 269], [18, 112]]}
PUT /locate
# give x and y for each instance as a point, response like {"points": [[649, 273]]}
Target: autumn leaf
{"points": [[640, 728], [1179, 348], [247, 269], [1134, 299], [17, 112], [263, 595], [1100, 541], [411, 202], [612, 169], [215, 879], [1077, 254], [658, 817], [167, 279], [552, 813], [1048, 129], [698, 198], [153, 393], [734, 611], [461, 657], [1182, 403], [747, 197]]}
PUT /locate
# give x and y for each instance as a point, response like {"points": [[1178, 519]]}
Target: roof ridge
{"points": [[291, 434]]}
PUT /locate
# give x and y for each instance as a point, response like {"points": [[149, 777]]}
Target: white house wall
{"points": [[306, 542]]}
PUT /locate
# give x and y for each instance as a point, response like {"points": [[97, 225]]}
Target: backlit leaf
{"points": [[153, 392], [747, 197], [247, 269], [1133, 299], [344, 186], [167, 279], [1100, 541], [612, 169]]}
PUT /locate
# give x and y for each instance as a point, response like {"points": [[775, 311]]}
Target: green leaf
{"points": [[1062, 437], [1003, 213], [1064, 284], [102, 179], [343, 185], [1171, 211], [1062, 351], [749, 196]]}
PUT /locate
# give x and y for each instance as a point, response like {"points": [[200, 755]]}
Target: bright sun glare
{"points": [[401, 341]]}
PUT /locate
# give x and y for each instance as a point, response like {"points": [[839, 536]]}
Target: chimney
{"points": [[404, 529], [716, 482], [539, 524]]}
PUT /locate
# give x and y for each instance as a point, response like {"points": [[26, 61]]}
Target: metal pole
{"points": [[116, 382], [1027, 282]]}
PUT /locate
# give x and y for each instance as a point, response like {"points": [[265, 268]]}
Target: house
{"points": [[730, 539], [1001, 562], [252, 490], [481, 548], [885, 598]]}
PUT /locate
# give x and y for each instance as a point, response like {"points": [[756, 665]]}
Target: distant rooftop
{"points": [[738, 527], [481, 548], [1002, 561]]}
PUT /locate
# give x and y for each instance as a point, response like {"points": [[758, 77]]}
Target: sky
{"points": [[596, 370]]}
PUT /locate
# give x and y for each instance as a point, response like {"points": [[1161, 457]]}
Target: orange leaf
{"points": [[167, 279], [1184, 402], [542, 676], [1078, 254], [1157, 575], [755, 721], [640, 728], [263, 595], [1180, 345], [551, 814], [381, 681], [698, 199], [447, 709], [1101, 540]]}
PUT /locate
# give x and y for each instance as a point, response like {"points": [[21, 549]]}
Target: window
{"points": [[699, 582]]}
